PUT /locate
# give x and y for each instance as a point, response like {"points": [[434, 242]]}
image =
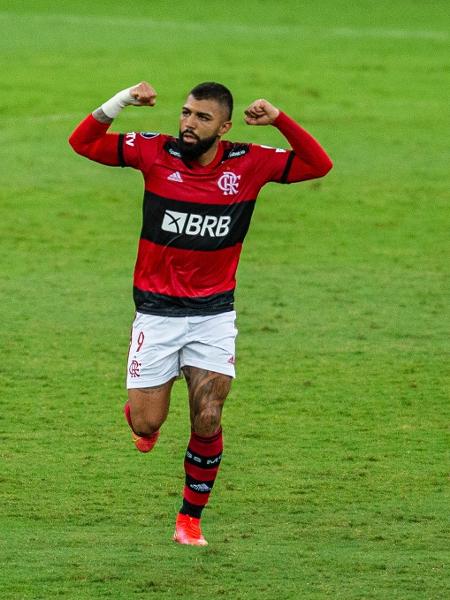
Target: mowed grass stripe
{"points": [[256, 29]]}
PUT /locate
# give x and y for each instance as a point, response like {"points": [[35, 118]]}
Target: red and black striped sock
{"points": [[201, 464]]}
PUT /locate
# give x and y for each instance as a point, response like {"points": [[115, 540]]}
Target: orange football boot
{"points": [[187, 531], [143, 443]]}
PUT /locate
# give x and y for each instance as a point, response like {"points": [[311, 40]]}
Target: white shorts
{"points": [[160, 346]]}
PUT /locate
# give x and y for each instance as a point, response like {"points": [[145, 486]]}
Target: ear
{"points": [[225, 128]]}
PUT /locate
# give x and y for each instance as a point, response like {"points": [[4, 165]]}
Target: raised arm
{"points": [[309, 160], [90, 138]]}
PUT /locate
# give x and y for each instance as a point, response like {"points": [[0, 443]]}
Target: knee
{"points": [[148, 408], [207, 421], [143, 425]]}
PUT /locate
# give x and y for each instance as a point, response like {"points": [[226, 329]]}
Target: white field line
{"points": [[227, 28]]}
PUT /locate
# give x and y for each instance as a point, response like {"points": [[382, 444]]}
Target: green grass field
{"points": [[334, 483]]}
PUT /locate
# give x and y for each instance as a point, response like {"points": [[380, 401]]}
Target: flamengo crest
{"points": [[229, 183]]}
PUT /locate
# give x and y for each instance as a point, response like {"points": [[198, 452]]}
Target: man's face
{"points": [[202, 122]]}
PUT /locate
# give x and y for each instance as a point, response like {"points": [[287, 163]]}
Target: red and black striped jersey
{"points": [[195, 217]]}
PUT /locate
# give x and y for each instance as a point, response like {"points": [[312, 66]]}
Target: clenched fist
{"points": [[144, 94], [261, 112]]}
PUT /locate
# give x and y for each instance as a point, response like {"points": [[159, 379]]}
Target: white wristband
{"points": [[114, 105]]}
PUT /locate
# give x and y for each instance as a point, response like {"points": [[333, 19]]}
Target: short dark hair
{"points": [[210, 90]]}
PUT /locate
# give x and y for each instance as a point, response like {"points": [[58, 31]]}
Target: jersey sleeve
{"points": [[92, 140], [271, 163], [138, 150], [306, 160]]}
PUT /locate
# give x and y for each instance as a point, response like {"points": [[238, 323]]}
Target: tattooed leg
{"points": [[207, 393]]}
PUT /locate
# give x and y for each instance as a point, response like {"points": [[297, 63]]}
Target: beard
{"points": [[194, 150]]}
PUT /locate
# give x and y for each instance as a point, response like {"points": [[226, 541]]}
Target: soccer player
{"points": [[199, 196]]}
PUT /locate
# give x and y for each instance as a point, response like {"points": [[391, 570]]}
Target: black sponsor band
{"points": [[171, 146], [201, 487], [194, 225], [287, 168], [204, 462], [120, 150], [236, 150], [151, 303]]}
